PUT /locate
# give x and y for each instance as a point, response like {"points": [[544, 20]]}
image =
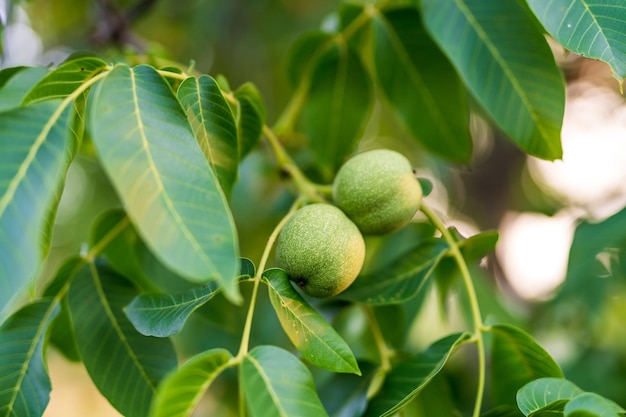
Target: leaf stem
{"points": [[477, 322], [306, 188], [245, 339], [383, 352]]}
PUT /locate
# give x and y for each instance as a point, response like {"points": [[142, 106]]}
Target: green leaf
{"points": [[515, 78], [587, 280], [25, 385], [420, 84], [61, 332], [35, 151], [250, 117], [517, 359], [162, 315], [337, 106], [125, 365], [546, 394], [402, 280], [303, 53], [310, 333], [179, 393], [590, 404], [17, 85], [276, 384], [409, 377], [345, 395], [503, 411], [213, 125], [169, 190], [591, 28], [64, 80]]}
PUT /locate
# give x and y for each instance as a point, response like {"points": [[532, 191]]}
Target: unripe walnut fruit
{"points": [[378, 191], [321, 250]]}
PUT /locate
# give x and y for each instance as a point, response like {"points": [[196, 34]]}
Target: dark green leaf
{"points": [[18, 85], [169, 190], [337, 106], [213, 125], [303, 54], [250, 117], [517, 359], [409, 377], [35, 151], [310, 333], [503, 411], [420, 84], [591, 28], [546, 394], [345, 395], [277, 384], [7, 73], [162, 315], [25, 385], [125, 365], [400, 281], [587, 280], [590, 404], [64, 80], [181, 391], [515, 78]]}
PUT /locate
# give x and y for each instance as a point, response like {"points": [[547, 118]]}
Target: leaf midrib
{"points": [[471, 19]]}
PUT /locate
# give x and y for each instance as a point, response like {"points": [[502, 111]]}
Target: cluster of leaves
{"points": [[171, 143]]}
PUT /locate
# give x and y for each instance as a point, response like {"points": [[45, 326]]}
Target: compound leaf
{"points": [[515, 78], [25, 385], [125, 365], [180, 392], [168, 188], [277, 384], [409, 377], [310, 333], [589, 404], [588, 27], [15, 84], [250, 117]]}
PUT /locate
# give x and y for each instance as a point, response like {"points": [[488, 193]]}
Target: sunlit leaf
{"points": [[213, 125], [168, 189], [588, 27], [400, 281], [337, 106], [420, 84], [25, 385], [179, 393], [517, 359], [546, 394], [276, 384], [35, 151], [310, 333], [65, 79], [515, 78], [16, 83], [250, 117], [590, 404], [409, 377], [125, 365], [162, 315]]}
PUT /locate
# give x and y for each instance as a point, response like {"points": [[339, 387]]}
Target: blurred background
{"points": [[535, 205]]}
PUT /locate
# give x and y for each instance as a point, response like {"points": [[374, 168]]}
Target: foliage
{"points": [[174, 144]]}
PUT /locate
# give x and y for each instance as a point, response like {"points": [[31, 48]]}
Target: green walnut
{"points": [[321, 250], [378, 191]]}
